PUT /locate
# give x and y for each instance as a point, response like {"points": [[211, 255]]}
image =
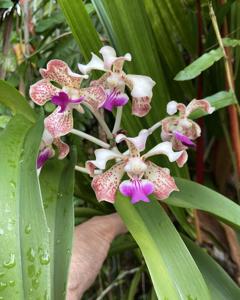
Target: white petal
{"points": [[141, 85], [166, 149], [109, 56], [103, 156], [47, 137], [95, 63], [172, 107], [139, 141]]}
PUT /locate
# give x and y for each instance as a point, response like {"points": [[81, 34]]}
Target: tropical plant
{"points": [[184, 246]]}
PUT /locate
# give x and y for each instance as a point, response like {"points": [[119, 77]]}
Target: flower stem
{"points": [[81, 169], [85, 171], [103, 124], [233, 109], [90, 138], [154, 127], [118, 119]]}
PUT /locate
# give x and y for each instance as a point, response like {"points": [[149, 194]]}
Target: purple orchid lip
{"points": [[184, 139], [114, 99], [43, 156], [137, 189], [63, 101]]}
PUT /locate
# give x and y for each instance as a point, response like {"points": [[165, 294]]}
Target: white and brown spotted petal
{"points": [[42, 91], [106, 185], [58, 71], [94, 97], [164, 183], [59, 124]]}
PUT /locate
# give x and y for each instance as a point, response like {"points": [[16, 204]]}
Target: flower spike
{"points": [[157, 180], [115, 80], [180, 130]]}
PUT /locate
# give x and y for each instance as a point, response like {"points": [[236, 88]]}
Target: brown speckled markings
{"points": [[102, 81], [94, 97], [59, 124], [42, 91], [141, 106], [164, 184], [63, 148], [58, 70], [199, 104], [118, 65], [106, 184]]}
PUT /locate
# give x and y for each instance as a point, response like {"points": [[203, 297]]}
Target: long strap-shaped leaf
{"points": [[172, 269], [24, 236], [11, 98], [81, 26], [129, 30], [194, 195], [57, 182], [220, 285]]}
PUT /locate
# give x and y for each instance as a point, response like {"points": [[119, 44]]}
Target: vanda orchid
{"points": [[145, 177], [115, 79], [180, 130], [67, 98]]}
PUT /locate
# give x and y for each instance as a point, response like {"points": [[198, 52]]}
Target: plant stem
{"points": [[103, 124], [154, 127], [232, 110], [81, 169], [85, 171], [90, 138], [118, 119]]}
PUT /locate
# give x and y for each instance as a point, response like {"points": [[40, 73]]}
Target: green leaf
{"points": [[81, 27], [4, 121], [218, 100], [132, 34], [11, 98], [227, 42], [220, 285], [172, 269], [194, 195], [24, 235], [134, 284], [199, 65], [6, 4], [57, 18], [57, 183]]}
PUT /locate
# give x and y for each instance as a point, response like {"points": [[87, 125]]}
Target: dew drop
{"points": [[1, 231], [28, 228], [31, 254], [13, 184], [3, 285], [11, 262], [35, 283], [31, 271], [58, 241], [11, 283], [44, 258]]}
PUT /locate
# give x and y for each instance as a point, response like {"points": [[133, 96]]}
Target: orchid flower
{"points": [[46, 148], [180, 130], [145, 177], [67, 98], [115, 79]]}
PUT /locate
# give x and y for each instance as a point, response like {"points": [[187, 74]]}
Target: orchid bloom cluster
{"points": [[64, 89]]}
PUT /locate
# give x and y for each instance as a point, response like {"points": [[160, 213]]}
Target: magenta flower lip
{"points": [[184, 139], [43, 156], [114, 99], [63, 101], [137, 189]]}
